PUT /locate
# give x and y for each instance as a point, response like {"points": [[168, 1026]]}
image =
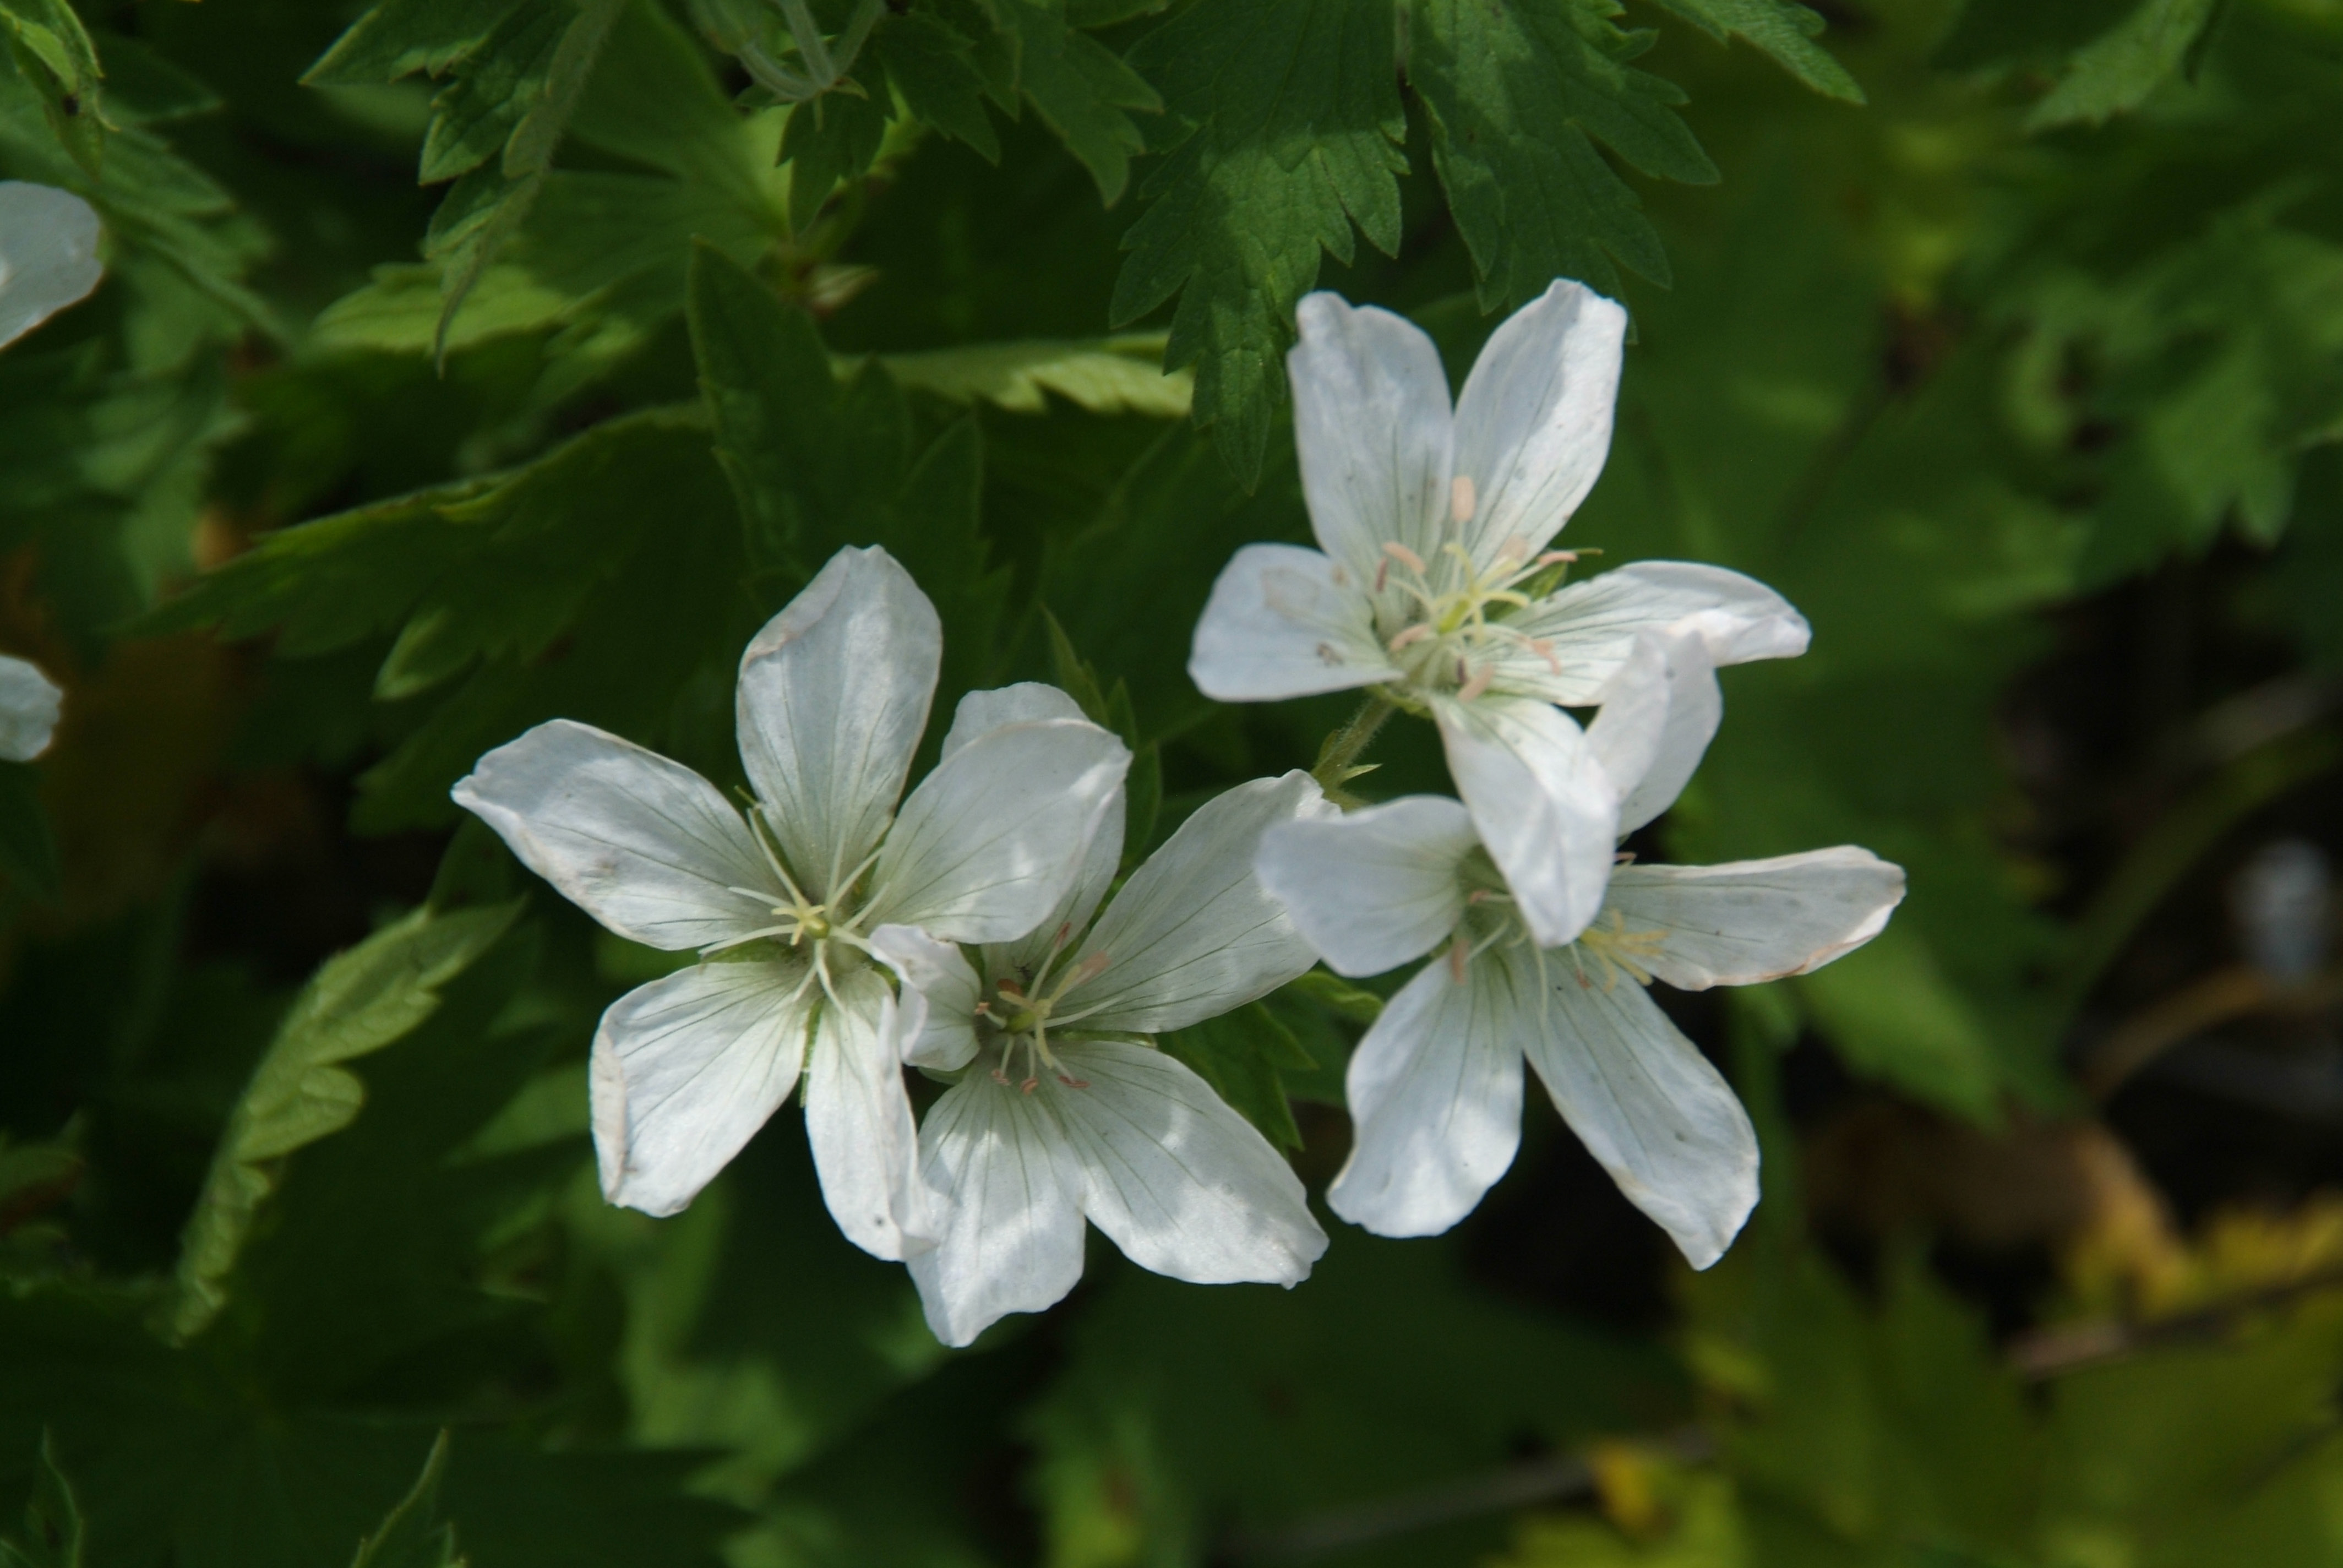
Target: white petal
{"points": [[29, 704], [1589, 628], [1372, 889], [1647, 1105], [1370, 424], [687, 1069], [1534, 424], [1659, 714], [1180, 1182], [936, 1021], [48, 255], [859, 1121], [832, 699], [1435, 1097], [641, 843], [1283, 621], [1193, 933], [1542, 802], [1755, 921], [981, 713], [1011, 1236], [990, 842]]}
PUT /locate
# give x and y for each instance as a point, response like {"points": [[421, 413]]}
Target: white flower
{"points": [[1064, 1111], [48, 255], [29, 704], [1436, 1086], [1434, 527], [832, 699]]}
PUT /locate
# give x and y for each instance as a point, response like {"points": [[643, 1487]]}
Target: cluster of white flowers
{"points": [[968, 931]]}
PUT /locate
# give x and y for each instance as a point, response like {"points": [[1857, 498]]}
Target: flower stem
{"points": [[1337, 758]]}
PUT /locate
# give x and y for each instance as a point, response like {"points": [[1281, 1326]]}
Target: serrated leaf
{"points": [[934, 65], [1106, 376], [829, 140], [1783, 30], [1079, 89], [475, 114], [2117, 71], [411, 1536], [357, 1003], [57, 60], [1240, 1054], [399, 37], [1288, 129], [1518, 97]]}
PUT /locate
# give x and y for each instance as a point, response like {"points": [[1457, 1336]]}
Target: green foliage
{"points": [[54, 1531], [1241, 1054], [411, 1536], [358, 1003]]}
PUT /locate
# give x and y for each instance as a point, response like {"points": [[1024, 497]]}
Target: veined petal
{"points": [[48, 255], [641, 843], [1646, 1104], [1533, 423], [990, 842], [983, 711], [1371, 425], [1543, 804], [1011, 1236], [1755, 920], [1586, 630], [859, 1121], [687, 1069], [1374, 888], [1180, 1182], [30, 703], [1193, 933], [1435, 1096], [1659, 714], [832, 699], [938, 978], [1283, 621]]}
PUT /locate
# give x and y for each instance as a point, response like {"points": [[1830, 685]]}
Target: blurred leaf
{"points": [[411, 1536], [1109, 376], [358, 1003], [28, 849], [54, 1532], [1282, 131], [2117, 71]]}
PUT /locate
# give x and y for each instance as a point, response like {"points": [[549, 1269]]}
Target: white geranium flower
{"points": [[48, 255], [1436, 1086], [832, 699], [29, 704], [1433, 526], [1064, 1111]]}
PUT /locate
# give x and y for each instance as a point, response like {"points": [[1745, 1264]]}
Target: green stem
{"points": [[1343, 747]]}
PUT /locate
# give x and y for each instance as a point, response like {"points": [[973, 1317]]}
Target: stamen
{"points": [[1405, 556], [1462, 501], [1457, 955], [1478, 684], [1409, 637]]}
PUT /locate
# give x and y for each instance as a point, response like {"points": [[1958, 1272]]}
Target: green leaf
{"points": [[1518, 98], [934, 64], [359, 1002], [1240, 1054], [1112, 709], [1287, 125], [830, 140], [2117, 71], [400, 37], [411, 1535], [1079, 89], [1782, 29], [817, 464], [1337, 996], [1106, 376], [55, 54], [54, 1531]]}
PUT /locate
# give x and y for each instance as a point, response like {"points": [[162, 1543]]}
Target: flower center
{"points": [[1457, 630], [798, 921], [1020, 1011]]}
